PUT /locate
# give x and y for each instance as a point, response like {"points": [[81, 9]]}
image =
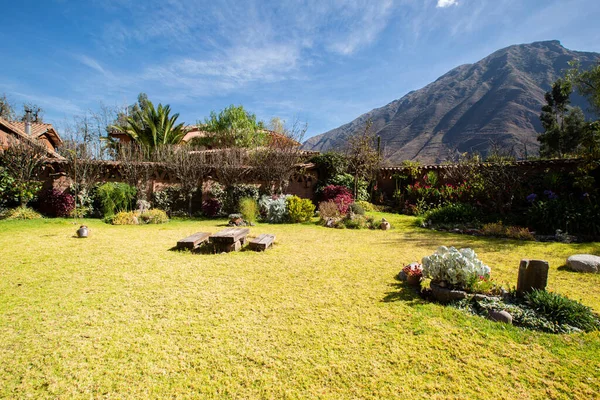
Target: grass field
{"points": [[118, 315]]}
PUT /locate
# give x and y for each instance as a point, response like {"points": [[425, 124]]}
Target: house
{"points": [[32, 132]]}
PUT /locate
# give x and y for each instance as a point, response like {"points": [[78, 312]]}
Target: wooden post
{"points": [[533, 274]]}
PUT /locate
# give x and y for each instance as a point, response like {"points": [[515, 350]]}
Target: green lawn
{"points": [[118, 315]]}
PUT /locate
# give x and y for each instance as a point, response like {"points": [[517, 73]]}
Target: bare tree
{"points": [[135, 166], [83, 166], [230, 166], [189, 167], [363, 155], [278, 162], [7, 108], [25, 163]]}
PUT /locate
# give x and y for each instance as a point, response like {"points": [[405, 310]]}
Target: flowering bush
{"points": [[413, 269], [454, 267]]}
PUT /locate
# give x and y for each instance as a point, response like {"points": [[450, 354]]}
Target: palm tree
{"points": [[152, 127]]}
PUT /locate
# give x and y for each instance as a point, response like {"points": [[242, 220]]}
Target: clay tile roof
{"points": [[37, 130]]}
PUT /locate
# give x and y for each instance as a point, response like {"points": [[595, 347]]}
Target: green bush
{"points": [[115, 197], [357, 209], [273, 209], [154, 216], [20, 213], [562, 310], [358, 222], [578, 217], [249, 209], [368, 207], [169, 199], [124, 218], [299, 210], [453, 213], [347, 180], [234, 193]]}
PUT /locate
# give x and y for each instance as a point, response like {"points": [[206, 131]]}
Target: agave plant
{"points": [[153, 127]]}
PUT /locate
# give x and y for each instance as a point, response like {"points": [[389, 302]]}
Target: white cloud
{"points": [[446, 3], [90, 62]]}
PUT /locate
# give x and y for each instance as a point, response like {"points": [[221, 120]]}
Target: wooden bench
{"points": [[193, 241], [262, 242], [230, 239]]}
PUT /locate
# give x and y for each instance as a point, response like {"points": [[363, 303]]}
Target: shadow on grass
{"points": [[564, 267], [403, 292], [434, 239]]}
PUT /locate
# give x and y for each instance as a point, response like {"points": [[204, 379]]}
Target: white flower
{"points": [[454, 266]]}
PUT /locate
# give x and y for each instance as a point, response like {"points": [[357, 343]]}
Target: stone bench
{"points": [[262, 242], [193, 241]]}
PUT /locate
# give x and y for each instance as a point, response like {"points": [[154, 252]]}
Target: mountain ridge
{"points": [[473, 107]]}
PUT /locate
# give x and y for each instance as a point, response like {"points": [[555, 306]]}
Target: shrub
{"points": [[55, 203], [562, 310], [347, 181], [154, 216], [328, 209], [368, 207], [211, 207], [275, 208], [20, 213], [299, 210], [581, 217], [115, 197], [234, 194], [123, 218], [516, 232], [332, 191], [357, 209], [493, 229], [454, 267], [340, 195], [453, 213], [249, 209], [169, 199]]}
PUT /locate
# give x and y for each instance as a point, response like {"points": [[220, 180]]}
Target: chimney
{"points": [[28, 121]]}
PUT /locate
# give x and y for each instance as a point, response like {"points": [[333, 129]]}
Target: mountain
{"points": [[495, 102]]}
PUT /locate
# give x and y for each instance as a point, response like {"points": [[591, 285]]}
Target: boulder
{"points": [[500, 316], [402, 276], [584, 263], [385, 225]]}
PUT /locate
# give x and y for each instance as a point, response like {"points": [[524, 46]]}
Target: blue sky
{"points": [[322, 61]]}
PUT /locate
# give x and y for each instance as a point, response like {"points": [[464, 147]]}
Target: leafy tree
{"points": [[587, 83], [563, 125], [152, 127], [234, 127], [7, 109]]}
